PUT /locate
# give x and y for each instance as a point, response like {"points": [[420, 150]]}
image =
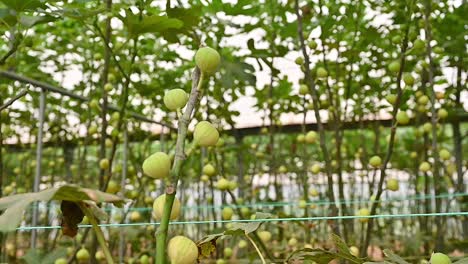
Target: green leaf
{"points": [[15, 205], [207, 245], [248, 227], [34, 256], [340, 244], [461, 261], [394, 257], [149, 24], [30, 21], [320, 256], [7, 18], [24, 5], [54, 255]]}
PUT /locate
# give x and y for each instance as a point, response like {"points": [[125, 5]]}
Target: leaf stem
{"points": [[98, 232], [256, 248]]}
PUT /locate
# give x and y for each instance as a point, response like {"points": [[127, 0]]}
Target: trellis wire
{"points": [[318, 202], [290, 219]]}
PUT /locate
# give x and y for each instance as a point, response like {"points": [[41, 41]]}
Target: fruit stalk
{"points": [[97, 232], [161, 234]]}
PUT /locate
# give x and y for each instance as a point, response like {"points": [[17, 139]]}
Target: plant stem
{"points": [[315, 99], [256, 248], [391, 143], [161, 234], [97, 232]]}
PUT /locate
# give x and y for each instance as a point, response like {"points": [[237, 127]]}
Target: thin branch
{"points": [[12, 100], [388, 156], [311, 85]]}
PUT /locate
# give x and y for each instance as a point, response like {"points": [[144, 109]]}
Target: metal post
{"points": [[38, 164], [124, 176]]}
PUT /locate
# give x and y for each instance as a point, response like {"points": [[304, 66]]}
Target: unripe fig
{"points": [[402, 118], [82, 255], [158, 165], [144, 259], [265, 236], [427, 127], [363, 212], [425, 166], [113, 187], [312, 44], [423, 100], [182, 250], [375, 161], [311, 137], [282, 169], [303, 89], [228, 252], [232, 185], [242, 244], [245, 211], [391, 98], [299, 61], [109, 143], [442, 113], [94, 104], [440, 258], [419, 44], [394, 66], [100, 255], [108, 87], [302, 204], [300, 138], [104, 164], [222, 184], [175, 99], [444, 154], [315, 168], [158, 208], [321, 72], [354, 251], [313, 192], [207, 59], [209, 170], [135, 216], [408, 78], [61, 261], [205, 134], [392, 185], [205, 178], [396, 39], [292, 242]]}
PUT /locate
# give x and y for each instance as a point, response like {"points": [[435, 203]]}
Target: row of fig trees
{"points": [[382, 83]]}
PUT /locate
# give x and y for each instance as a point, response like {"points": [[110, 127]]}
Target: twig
{"points": [[12, 100]]}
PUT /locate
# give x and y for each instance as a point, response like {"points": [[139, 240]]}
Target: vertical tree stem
{"points": [[311, 84], [161, 234]]}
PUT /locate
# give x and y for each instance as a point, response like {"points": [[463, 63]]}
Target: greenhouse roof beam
{"points": [[51, 88]]}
